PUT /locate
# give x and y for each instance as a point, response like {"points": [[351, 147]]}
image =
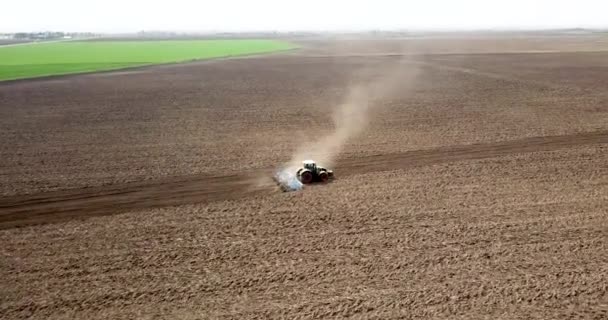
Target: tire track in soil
{"points": [[49, 207]]}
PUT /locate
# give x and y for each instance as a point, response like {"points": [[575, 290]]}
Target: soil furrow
{"points": [[23, 210]]}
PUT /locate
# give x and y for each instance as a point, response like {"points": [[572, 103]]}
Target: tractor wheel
{"points": [[306, 177], [323, 176]]}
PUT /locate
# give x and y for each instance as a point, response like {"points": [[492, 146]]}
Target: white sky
{"points": [[282, 15]]}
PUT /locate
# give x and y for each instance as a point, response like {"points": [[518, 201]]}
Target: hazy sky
{"points": [[234, 15]]}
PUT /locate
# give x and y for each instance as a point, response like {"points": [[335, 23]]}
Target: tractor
{"points": [[310, 173]]}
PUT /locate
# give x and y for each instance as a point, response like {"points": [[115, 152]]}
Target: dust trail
{"points": [[352, 116]]}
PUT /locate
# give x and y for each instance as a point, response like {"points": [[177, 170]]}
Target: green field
{"points": [[55, 58]]}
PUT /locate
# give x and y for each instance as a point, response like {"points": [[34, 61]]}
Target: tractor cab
{"points": [[310, 165]]}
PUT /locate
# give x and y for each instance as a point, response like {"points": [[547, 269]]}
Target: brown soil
{"points": [[112, 199], [478, 190]]}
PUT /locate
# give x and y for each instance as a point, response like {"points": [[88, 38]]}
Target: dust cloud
{"points": [[353, 115]]}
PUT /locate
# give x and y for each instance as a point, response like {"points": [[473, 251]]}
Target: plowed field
{"points": [[478, 187]]}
